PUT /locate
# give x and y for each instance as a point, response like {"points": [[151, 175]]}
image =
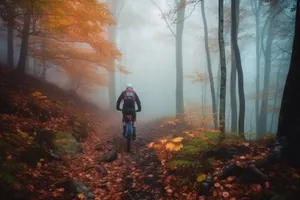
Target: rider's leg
{"points": [[124, 126], [133, 126]]}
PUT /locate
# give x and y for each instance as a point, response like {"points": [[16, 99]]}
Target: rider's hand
{"points": [[139, 110], [118, 109]]}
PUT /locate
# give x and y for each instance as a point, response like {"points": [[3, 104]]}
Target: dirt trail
{"points": [[142, 172], [136, 175]]}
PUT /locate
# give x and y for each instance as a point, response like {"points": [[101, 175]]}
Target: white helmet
{"points": [[129, 86]]}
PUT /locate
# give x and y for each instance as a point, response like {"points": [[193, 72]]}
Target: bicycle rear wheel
{"points": [[129, 132], [128, 144]]}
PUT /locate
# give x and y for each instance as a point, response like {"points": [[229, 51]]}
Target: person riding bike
{"points": [[129, 97]]}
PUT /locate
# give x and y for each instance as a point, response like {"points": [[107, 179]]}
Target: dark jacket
{"points": [[128, 104]]}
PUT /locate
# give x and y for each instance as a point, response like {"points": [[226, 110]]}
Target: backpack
{"points": [[129, 95]]}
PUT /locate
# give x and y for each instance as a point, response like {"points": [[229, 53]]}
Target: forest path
{"points": [[135, 175]]}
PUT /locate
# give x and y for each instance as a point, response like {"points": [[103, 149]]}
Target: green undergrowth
{"points": [[197, 155]]}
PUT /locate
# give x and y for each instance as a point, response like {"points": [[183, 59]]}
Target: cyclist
{"points": [[129, 98]]}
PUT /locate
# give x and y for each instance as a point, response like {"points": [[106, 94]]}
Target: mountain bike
{"points": [[128, 130]]}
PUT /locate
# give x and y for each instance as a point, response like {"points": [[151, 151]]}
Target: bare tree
{"points": [[112, 36], [238, 64], [256, 9], [267, 50], [223, 68], [209, 69], [180, 7]]}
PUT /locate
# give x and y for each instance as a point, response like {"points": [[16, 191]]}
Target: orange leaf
{"points": [[80, 196], [230, 178], [60, 189], [217, 185], [225, 194]]}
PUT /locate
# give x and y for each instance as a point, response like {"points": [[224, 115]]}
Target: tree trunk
{"points": [[233, 101], [24, 44], [262, 125], [223, 69], [179, 67], [257, 51], [10, 34], [10, 44], [236, 51], [289, 118], [276, 93], [210, 74], [112, 36]]}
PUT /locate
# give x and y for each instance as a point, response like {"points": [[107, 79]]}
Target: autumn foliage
{"points": [[72, 35]]}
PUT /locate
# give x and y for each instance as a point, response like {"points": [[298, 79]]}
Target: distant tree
{"points": [[223, 68], [238, 64], [115, 8], [179, 10], [209, 68], [8, 14], [256, 9], [269, 31]]}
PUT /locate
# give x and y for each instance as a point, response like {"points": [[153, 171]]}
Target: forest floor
{"points": [[53, 145]]}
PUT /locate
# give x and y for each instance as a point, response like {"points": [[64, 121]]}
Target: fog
{"points": [[148, 49]]}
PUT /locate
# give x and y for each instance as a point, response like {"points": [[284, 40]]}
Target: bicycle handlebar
{"points": [[130, 110]]}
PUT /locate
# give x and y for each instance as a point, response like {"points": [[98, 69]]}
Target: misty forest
{"points": [[212, 85]]}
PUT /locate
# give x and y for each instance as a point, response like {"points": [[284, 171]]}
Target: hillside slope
{"points": [[41, 127]]}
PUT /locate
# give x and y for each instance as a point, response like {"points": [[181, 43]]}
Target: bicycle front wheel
{"points": [[129, 131]]}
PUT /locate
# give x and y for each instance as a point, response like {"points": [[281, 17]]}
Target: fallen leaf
{"points": [[246, 144], [38, 165], [201, 178], [169, 191], [178, 147], [170, 146], [151, 144], [80, 196], [230, 178], [217, 185], [163, 141], [178, 139], [60, 189], [225, 194], [55, 194]]}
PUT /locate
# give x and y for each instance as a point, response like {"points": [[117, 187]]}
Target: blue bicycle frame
{"points": [[129, 130]]}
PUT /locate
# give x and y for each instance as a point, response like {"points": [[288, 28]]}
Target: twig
{"points": [[169, 26]]}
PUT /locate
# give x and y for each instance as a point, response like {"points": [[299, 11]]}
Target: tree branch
{"points": [[121, 8], [169, 26]]}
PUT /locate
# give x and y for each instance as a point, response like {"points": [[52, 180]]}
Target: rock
{"points": [[61, 143], [65, 143], [76, 187], [108, 157], [205, 186]]}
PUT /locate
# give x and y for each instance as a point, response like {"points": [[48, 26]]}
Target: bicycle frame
{"points": [[129, 127], [129, 130]]}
